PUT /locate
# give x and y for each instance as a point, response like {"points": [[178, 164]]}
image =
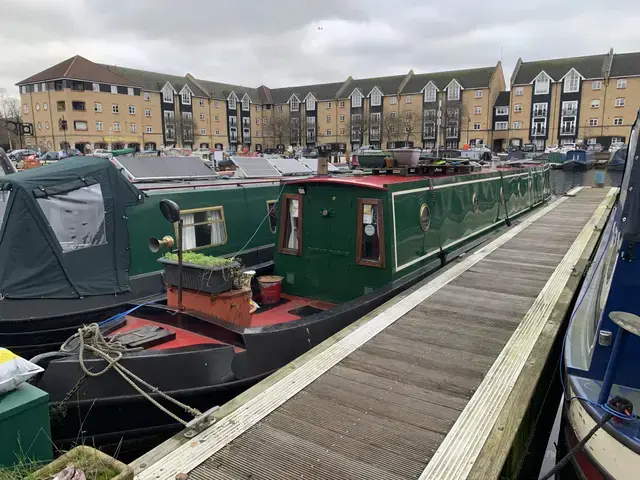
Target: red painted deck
{"points": [[280, 314], [184, 338]]}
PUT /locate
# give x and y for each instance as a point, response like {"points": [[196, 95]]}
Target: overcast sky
{"points": [[281, 43]]}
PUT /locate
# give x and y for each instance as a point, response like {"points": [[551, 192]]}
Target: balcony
{"points": [[429, 131], [430, 116], [538, 130], [246, 134], [169, 132], [233, 135], [539, 112], [311, 135], [569, 112], [374, 134], [568, 129], [233, 122], [452, 132]]}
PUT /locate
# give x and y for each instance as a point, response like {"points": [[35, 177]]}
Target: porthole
{"points": [[502, 195], [519, 192], [39, 125], [425, 217], [45, 106], [37, 107], [46, 125], [474, 203], [49, 144]]}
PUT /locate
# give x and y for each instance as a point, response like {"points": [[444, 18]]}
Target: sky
{"points": [[285, 43]]}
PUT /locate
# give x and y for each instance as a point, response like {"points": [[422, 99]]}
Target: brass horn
{"points": [[155, 245]]}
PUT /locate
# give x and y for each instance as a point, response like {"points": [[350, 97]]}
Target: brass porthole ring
{"points": [[425, 217], [474, 203]]}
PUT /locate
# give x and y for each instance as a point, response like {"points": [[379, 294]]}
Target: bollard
{"points": [[599, 179]]}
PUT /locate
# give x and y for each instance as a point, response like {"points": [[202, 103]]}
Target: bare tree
{"points": [[358, 126], [278, 127], [9, 111], [391, 126], [455, 116], [185, 126], [410, 123]]}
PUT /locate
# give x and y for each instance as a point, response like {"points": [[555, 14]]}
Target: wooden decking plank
{"points": [[525, 287]]}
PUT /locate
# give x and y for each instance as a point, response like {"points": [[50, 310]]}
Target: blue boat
{"points": [[601, 353], [579, 160], [616, 162]]}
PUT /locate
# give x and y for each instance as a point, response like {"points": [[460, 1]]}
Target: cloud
{"points": [[279, 43]]}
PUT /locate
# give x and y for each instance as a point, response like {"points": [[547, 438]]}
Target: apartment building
{"points": [[106, 106], [561, 101]]}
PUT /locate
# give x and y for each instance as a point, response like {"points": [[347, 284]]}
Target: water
{"points": [[562, 181]]}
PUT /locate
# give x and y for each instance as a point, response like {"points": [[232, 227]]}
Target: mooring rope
{"points": [[111, 350]]}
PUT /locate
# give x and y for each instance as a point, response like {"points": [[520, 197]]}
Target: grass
{"points": [[200, 259]]}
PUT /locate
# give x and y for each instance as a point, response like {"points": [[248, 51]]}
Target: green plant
{"points": [[200, 259]]}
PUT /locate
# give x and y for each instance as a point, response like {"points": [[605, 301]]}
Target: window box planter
{"points": [[208, 279], [92, 462]]}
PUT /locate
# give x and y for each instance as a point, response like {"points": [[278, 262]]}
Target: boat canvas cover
{"points": [[630, 189], [64, 230]]}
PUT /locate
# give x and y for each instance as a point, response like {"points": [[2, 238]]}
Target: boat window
{"points": [[4, 202], [425, 217], [203, 227], [76, 217], [272, 210], [291, 221], [370, 237]]}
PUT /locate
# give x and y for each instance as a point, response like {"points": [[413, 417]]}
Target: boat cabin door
{"points": [[329, 241]]}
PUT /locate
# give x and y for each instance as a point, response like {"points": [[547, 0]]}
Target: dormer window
{"points": [[453, 91], [542, 83], [572, 82], [375, 97], [356, 99], [430, 93], [186, 97], [245, 103], [311, 103], [232, 101], [167, 94]]}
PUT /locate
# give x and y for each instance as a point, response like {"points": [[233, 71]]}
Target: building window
{"points": [[186, 97], [279, 108], [593, 122], [342, 104], [329, 133], [45, 106], [149, 129], [217, 132], [370, 234], [392, 114], [517, 107], [619, 102], [99, 126], [46, 125], [115, 108], [147, 96], [78, 106], [501, 125], [617, 121], [202, 102], [430, 93], [328, 118], [542, 84], [294, 104], [216, 103], [203, 131], [622, 83], [519, 91], [133, 127], [245, 104], [342, 118], [328, 105], [258, 121], [595, 103], [540, 109], [407, 99], [393, 100], [477, 110], [25, 108], [356, 100], [167, 94], [61, 105], [311, 104], [290, 241], [114, 89], [596, 85], [572, 82], [478, 93], [257, 108], [96, 87], [202, 116], [147, 112], [80, 125], [116, 126], [258, 134], [216, 118], [453, 92], [376, 98], [130, 91], [342, 131], [203, 227], [502, 110], [476, 126], [97, 107], [132, 110], [517, 125]]}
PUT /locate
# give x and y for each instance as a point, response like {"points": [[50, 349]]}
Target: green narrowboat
{"points": [[74, 241]]}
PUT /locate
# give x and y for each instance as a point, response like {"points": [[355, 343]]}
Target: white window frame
{"points": [[477, 110], [185, 97], [216, 118], [294, 104], [501, 125], [202, 117], [571, 82], [115, 108], [502, 110], [356, 100], [622, 83], [478, 93], [329, 133], [310, 103], [393, 100], [279, 108], [232, 102], [116, 126], [203, 131], [246, 104], [546, 108], [430, 93], [96, 87], [542, 87], [596, 85], [595, 103], [342, 118], [620, 102], [407, 99], [392, 114], [618, 121], [329, 119], [149, 129], [202, 102], [216, 104], [517, 125], [99, 127], [342, 103], [476, 126], [132, 109], [328, 105], [593, 122], [147, 96], [167, 94], [133, 127], [114, 89], [130, 91], [517, 107], [97, 107], [519, 91], [454, 91], [375, 97], [217, 133]]}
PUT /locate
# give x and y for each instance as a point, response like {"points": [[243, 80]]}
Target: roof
{"points": [[221, 91], [388, 85], [154, 81], [470, 78], [625, 64], [322, 91], [377, 182], [592, 66], [79, 68], [503, 99]]}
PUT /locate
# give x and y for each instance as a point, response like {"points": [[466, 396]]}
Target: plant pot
{"points": [[78, 457], [389, 162], [198, 277], [406, 156]]}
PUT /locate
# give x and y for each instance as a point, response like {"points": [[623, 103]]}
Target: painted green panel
{"points": [[244, 209]]}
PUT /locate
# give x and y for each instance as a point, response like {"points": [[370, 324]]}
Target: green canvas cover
{"points": [[64, 231]]}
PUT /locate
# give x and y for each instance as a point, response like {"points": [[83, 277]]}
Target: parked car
{"points": [[49, 157], [19, 153]]}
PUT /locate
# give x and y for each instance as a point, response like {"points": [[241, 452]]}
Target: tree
{"points": [[9, 111], [185, 127], [278, 128], [357, 126], [410, 123], [391, 126]]}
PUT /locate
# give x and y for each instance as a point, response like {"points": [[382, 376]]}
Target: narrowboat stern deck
{"points": [[433, 384]]}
